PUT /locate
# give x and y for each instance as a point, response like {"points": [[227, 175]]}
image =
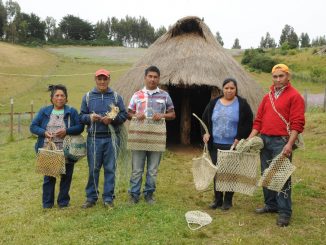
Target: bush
{"points": [[258, 60]]}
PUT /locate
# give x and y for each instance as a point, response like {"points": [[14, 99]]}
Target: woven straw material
{"points": [[252, 145], [198, 218], [74, 147], [237, 171], [278, 172], [203, 171], [50, 161], [147, 135]]}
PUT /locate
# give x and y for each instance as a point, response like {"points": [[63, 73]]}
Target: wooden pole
{"points": [[19, 123], [32, 110], [305, 95], [185, 118], [11, 118]]}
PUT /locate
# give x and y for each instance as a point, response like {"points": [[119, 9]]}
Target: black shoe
{"points": [[63, 206], [265, 210], [226, 206], [88, 204], [282, 221], [108, 204], [149, 199], [215, 204]]}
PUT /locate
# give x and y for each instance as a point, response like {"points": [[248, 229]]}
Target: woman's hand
{"points": [[140, 116], [206, 138], [48, 134], [61, 133]]}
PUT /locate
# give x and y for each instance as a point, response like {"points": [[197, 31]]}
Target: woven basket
{"points": [[237, 171], [199, 218], [203, 170], [50, 161], [147, 135], [278, 172], [74, 147]]}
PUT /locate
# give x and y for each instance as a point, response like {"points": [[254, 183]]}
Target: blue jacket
{"points": [[42, 119], [100, 103]]}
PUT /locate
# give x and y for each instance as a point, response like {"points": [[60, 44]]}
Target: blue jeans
{"points": [[104, 156], [138, 165], [49, 188], [273, 145]]}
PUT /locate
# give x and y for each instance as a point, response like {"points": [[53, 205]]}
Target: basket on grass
{"points": [[147, 135], [278, 172], [50, 161]]}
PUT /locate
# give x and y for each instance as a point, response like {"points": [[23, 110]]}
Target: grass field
{"points": [[23, 221]]}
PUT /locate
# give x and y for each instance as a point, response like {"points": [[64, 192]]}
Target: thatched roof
{"points": [[187, 55]]}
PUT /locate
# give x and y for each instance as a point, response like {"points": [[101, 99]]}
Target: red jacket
{"points": [[289, 104]]}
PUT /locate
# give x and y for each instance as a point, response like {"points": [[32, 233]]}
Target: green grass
{"points": [[23, 221]]}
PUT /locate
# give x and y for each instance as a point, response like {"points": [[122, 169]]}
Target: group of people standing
{"points": [[229, 119]]}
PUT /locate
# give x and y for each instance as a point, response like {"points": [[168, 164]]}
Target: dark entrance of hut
{"points": [[185, 129]]}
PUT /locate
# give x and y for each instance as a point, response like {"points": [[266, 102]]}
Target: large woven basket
{"points": [[147, 135], [276, 175], [237, 171], [50, 161]]}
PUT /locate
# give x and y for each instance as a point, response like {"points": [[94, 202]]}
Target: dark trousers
{"points": [[49, 188], [218, 194], [273, 145]]}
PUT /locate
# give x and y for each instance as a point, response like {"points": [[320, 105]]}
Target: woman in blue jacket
{"points": [[51, 123]]}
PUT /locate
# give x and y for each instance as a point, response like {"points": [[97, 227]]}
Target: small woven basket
{"points": [[50, 161]]}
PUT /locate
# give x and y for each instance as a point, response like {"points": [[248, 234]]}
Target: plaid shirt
{"points": [[143, 101]]}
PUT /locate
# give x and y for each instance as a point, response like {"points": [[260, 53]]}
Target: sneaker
{"points": [[149, 199], [265, 210], [282, 221], [88, 204], [108, 204], [133, 200]]}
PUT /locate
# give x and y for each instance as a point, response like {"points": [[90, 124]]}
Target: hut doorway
{"points": [[185, 129]]}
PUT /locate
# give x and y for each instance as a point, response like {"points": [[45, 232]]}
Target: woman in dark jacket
{"points": [[229, 119], [51, 122]]}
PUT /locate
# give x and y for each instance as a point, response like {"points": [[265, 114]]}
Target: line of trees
{"points": [[19, 27], [288, 40]]}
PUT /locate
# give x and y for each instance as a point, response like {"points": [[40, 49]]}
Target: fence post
{"points": [[32, 110], [305, 95], [11, 118], [325, 101], [19, 124]]}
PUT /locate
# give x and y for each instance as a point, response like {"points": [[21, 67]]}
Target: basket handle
{"points": [[51, 145]]}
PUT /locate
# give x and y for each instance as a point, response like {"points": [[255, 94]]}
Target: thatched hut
{"points": [[193, 66]]}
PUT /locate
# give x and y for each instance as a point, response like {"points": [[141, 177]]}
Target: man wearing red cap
{"points": [[282, 100], [103, 136]]}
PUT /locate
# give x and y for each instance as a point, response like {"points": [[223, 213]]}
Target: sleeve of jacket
{"points": [[245, 125], [258, 120], [36, 125], [122, 115], [76, 127], [84, 115], [296, 118]]}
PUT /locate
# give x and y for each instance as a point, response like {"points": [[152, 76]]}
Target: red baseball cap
{"points": [[102, 72]]}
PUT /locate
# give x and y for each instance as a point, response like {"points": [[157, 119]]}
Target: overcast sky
{"points": [[247, 20]]}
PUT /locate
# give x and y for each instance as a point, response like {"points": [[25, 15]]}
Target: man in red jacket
{"points": [[277, 139]]}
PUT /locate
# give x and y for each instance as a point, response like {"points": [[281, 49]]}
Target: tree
{"points": [[304, 40], [318, 41], [3, 19], [267, 42], [13, 10], [75, 28], [159, 32], [236, 44], [288, 35], [102, 29], [219, 38]]}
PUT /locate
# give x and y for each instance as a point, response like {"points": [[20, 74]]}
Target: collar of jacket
{"points": [[49, 109], [108, 91]]}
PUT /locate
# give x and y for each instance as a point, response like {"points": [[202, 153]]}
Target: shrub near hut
{"points": [[256, 59]]}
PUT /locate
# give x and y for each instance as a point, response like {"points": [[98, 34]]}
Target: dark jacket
{"points": [[42, 119], [245, 119], [100, 103]]}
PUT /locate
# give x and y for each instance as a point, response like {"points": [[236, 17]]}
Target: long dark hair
{"points": [[53, 88], [227, 80]]}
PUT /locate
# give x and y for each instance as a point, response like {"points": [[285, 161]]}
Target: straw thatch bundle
{"points": [[188, 55]]}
